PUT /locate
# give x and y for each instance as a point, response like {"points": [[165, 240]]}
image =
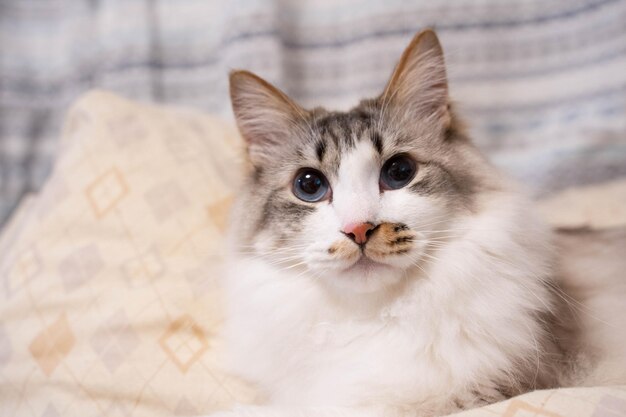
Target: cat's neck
{"points": [[368, 304]]}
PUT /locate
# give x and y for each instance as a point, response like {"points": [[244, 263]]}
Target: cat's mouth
{"points": [[365, 264]]}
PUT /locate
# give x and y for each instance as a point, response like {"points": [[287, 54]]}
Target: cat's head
{"points": [[355, 198]]}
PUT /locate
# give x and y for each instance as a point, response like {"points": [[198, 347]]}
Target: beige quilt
{"points": [[108, 296]]}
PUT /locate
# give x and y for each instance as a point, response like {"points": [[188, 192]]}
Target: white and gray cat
{"points": [[380, 266]]}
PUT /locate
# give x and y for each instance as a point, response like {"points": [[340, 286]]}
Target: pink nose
{"points": [[358, 231]]}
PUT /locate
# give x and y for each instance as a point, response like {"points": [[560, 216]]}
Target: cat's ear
{"points": [[266, 117], [418, 87]]}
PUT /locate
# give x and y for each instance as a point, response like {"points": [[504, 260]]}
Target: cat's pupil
{"points": [[400, 170], [310, 183], [397, 172]]}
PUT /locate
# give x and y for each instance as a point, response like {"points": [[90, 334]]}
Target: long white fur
{"points": [[321, 342], [416, 336]]}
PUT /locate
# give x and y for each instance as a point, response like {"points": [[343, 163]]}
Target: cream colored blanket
{"points": [[109, 304]]}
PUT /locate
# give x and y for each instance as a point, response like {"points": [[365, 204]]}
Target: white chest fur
{"points": [[459, 330]]}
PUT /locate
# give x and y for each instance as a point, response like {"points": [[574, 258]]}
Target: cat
{"points": [[378, 264]]}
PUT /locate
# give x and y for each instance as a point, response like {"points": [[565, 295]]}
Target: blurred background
{"points": [[542, 83]]}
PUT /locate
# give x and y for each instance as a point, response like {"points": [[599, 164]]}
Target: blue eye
{"points": [[310, 185], [397, 172]]}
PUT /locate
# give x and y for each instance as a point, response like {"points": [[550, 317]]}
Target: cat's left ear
{"points": [[418, 87], [266, 117]]}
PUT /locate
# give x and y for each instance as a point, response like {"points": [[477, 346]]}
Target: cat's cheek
{"points": [[405, 261], [322, 226], [324, 260], [319, 235], [420, 213]]}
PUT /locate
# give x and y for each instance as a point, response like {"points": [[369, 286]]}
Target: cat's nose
{"points": [[358, 232]]}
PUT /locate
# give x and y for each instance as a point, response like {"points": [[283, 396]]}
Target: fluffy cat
{"points": [[379, 265]]}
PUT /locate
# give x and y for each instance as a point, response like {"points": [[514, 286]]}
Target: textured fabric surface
{"points": [[543, 81], [109, 302]]}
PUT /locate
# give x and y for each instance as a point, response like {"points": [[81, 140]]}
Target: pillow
{"points": [[109, 303]]}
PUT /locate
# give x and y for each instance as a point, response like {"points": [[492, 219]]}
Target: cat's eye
{"points": [[310, 185], [397, 172]]}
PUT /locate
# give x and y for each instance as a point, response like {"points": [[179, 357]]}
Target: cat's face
{"points": [[358, 198]]}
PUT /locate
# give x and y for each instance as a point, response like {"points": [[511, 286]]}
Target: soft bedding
{"points": [[109, 297]]}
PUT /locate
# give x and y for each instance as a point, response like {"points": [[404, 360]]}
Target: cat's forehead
{"points": [[343, 129], [340, 133]]}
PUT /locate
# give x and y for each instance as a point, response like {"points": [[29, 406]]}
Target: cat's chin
{"points": [[366, 276], [365, 266]]}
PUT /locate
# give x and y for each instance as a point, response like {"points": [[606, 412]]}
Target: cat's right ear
{"points": [[266, 117], [418, 88]]}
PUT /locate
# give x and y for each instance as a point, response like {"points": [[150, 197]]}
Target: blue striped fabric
{"points": [[542, 82]]}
